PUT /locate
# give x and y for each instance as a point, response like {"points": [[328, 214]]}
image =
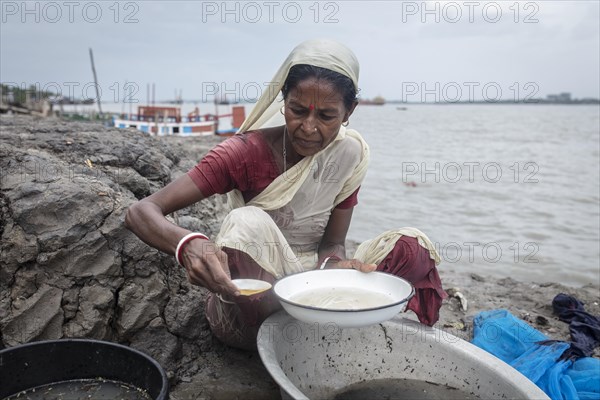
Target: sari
{"points": [[277, 233]]}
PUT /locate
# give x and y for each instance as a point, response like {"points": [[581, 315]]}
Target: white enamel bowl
{"points": [[397, 289]]}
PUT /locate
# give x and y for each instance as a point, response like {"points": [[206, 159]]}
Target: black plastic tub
{"points": [[46, 362]]}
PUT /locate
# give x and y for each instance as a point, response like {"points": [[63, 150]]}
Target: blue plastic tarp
{"points": [[539, 359]]}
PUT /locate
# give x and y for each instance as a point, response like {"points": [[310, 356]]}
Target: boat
{"points": [[167, 121], [376, 101], [237, 115]]}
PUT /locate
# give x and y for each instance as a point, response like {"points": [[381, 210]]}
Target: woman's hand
{"points": [[205, 263], [350, 264], [332, 243], [206, 266]]}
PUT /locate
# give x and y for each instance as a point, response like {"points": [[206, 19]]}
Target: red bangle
{"points": [[184, 240]]}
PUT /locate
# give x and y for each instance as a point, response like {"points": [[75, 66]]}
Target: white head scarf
{"points": [[322, 53], [279, 198]]}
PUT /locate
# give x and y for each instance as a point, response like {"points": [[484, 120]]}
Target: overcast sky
{"points": [[408, 50]]}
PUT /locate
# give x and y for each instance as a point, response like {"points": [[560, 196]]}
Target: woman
{"points": [[292, 189]]}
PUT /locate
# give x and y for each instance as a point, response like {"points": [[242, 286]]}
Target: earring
{"points": [[346, 123], [281, 110]]}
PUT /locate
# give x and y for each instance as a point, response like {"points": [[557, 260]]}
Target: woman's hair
{"points": [[341, 83]]}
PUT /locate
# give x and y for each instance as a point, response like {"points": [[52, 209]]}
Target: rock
{"points": [[477, 278], [58, 213], [541, 320], [141, 300], [455, 292], [18, 247], [37, 317], [157, 341], [68, 266], [89, 258], [132, 180], [153, 166], [94, 314], [456, 325], [25, 285], [184, 315], [70, 302]]}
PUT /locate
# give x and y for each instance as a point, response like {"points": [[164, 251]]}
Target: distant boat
{"points": [[176, 101], [166, 121], [376, 101], [401, 108], [226, 102]]}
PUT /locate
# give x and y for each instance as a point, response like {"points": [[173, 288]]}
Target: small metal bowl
{"points": [[249, 287]]}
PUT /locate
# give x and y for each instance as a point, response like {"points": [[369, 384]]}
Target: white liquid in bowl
{"points": [[340, 298]]}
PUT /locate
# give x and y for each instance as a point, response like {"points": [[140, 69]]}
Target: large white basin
{"points": [[312, 361]]}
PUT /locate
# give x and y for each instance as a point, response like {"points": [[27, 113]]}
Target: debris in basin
{"points": [[99, 389], [402, 389]]}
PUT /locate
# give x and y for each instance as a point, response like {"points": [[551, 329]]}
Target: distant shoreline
{"points": [[503, 102], [389, 102]]}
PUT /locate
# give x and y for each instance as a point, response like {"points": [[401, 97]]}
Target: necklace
{"points": [[284, 149]]}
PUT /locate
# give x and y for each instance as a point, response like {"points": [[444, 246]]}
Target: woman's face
{"points": [[314, 111]]}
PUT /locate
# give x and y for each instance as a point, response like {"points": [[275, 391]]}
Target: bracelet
{"points": [[327, 259], [184, 240]]}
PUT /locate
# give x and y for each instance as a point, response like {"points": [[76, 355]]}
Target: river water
{"points": [[505, 190]]}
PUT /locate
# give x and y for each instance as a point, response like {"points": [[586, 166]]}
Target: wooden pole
{"points": [[96, 83], [129, 101], [216, 123]]}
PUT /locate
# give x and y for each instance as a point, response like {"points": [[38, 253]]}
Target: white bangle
{"points": [[184, 240], [327, 259]]}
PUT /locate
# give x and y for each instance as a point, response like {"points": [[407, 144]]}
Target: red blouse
{"points": [[244, 162]]}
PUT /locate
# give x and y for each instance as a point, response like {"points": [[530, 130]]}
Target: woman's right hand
{"points": [[204, 261], [352, 264], [206, 266]]}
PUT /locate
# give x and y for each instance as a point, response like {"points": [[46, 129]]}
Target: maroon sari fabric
{"points": [[244, 162], [411, 261], [236, 321]]}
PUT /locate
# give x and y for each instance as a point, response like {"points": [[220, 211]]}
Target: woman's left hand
{"points": [[351, 264]]}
